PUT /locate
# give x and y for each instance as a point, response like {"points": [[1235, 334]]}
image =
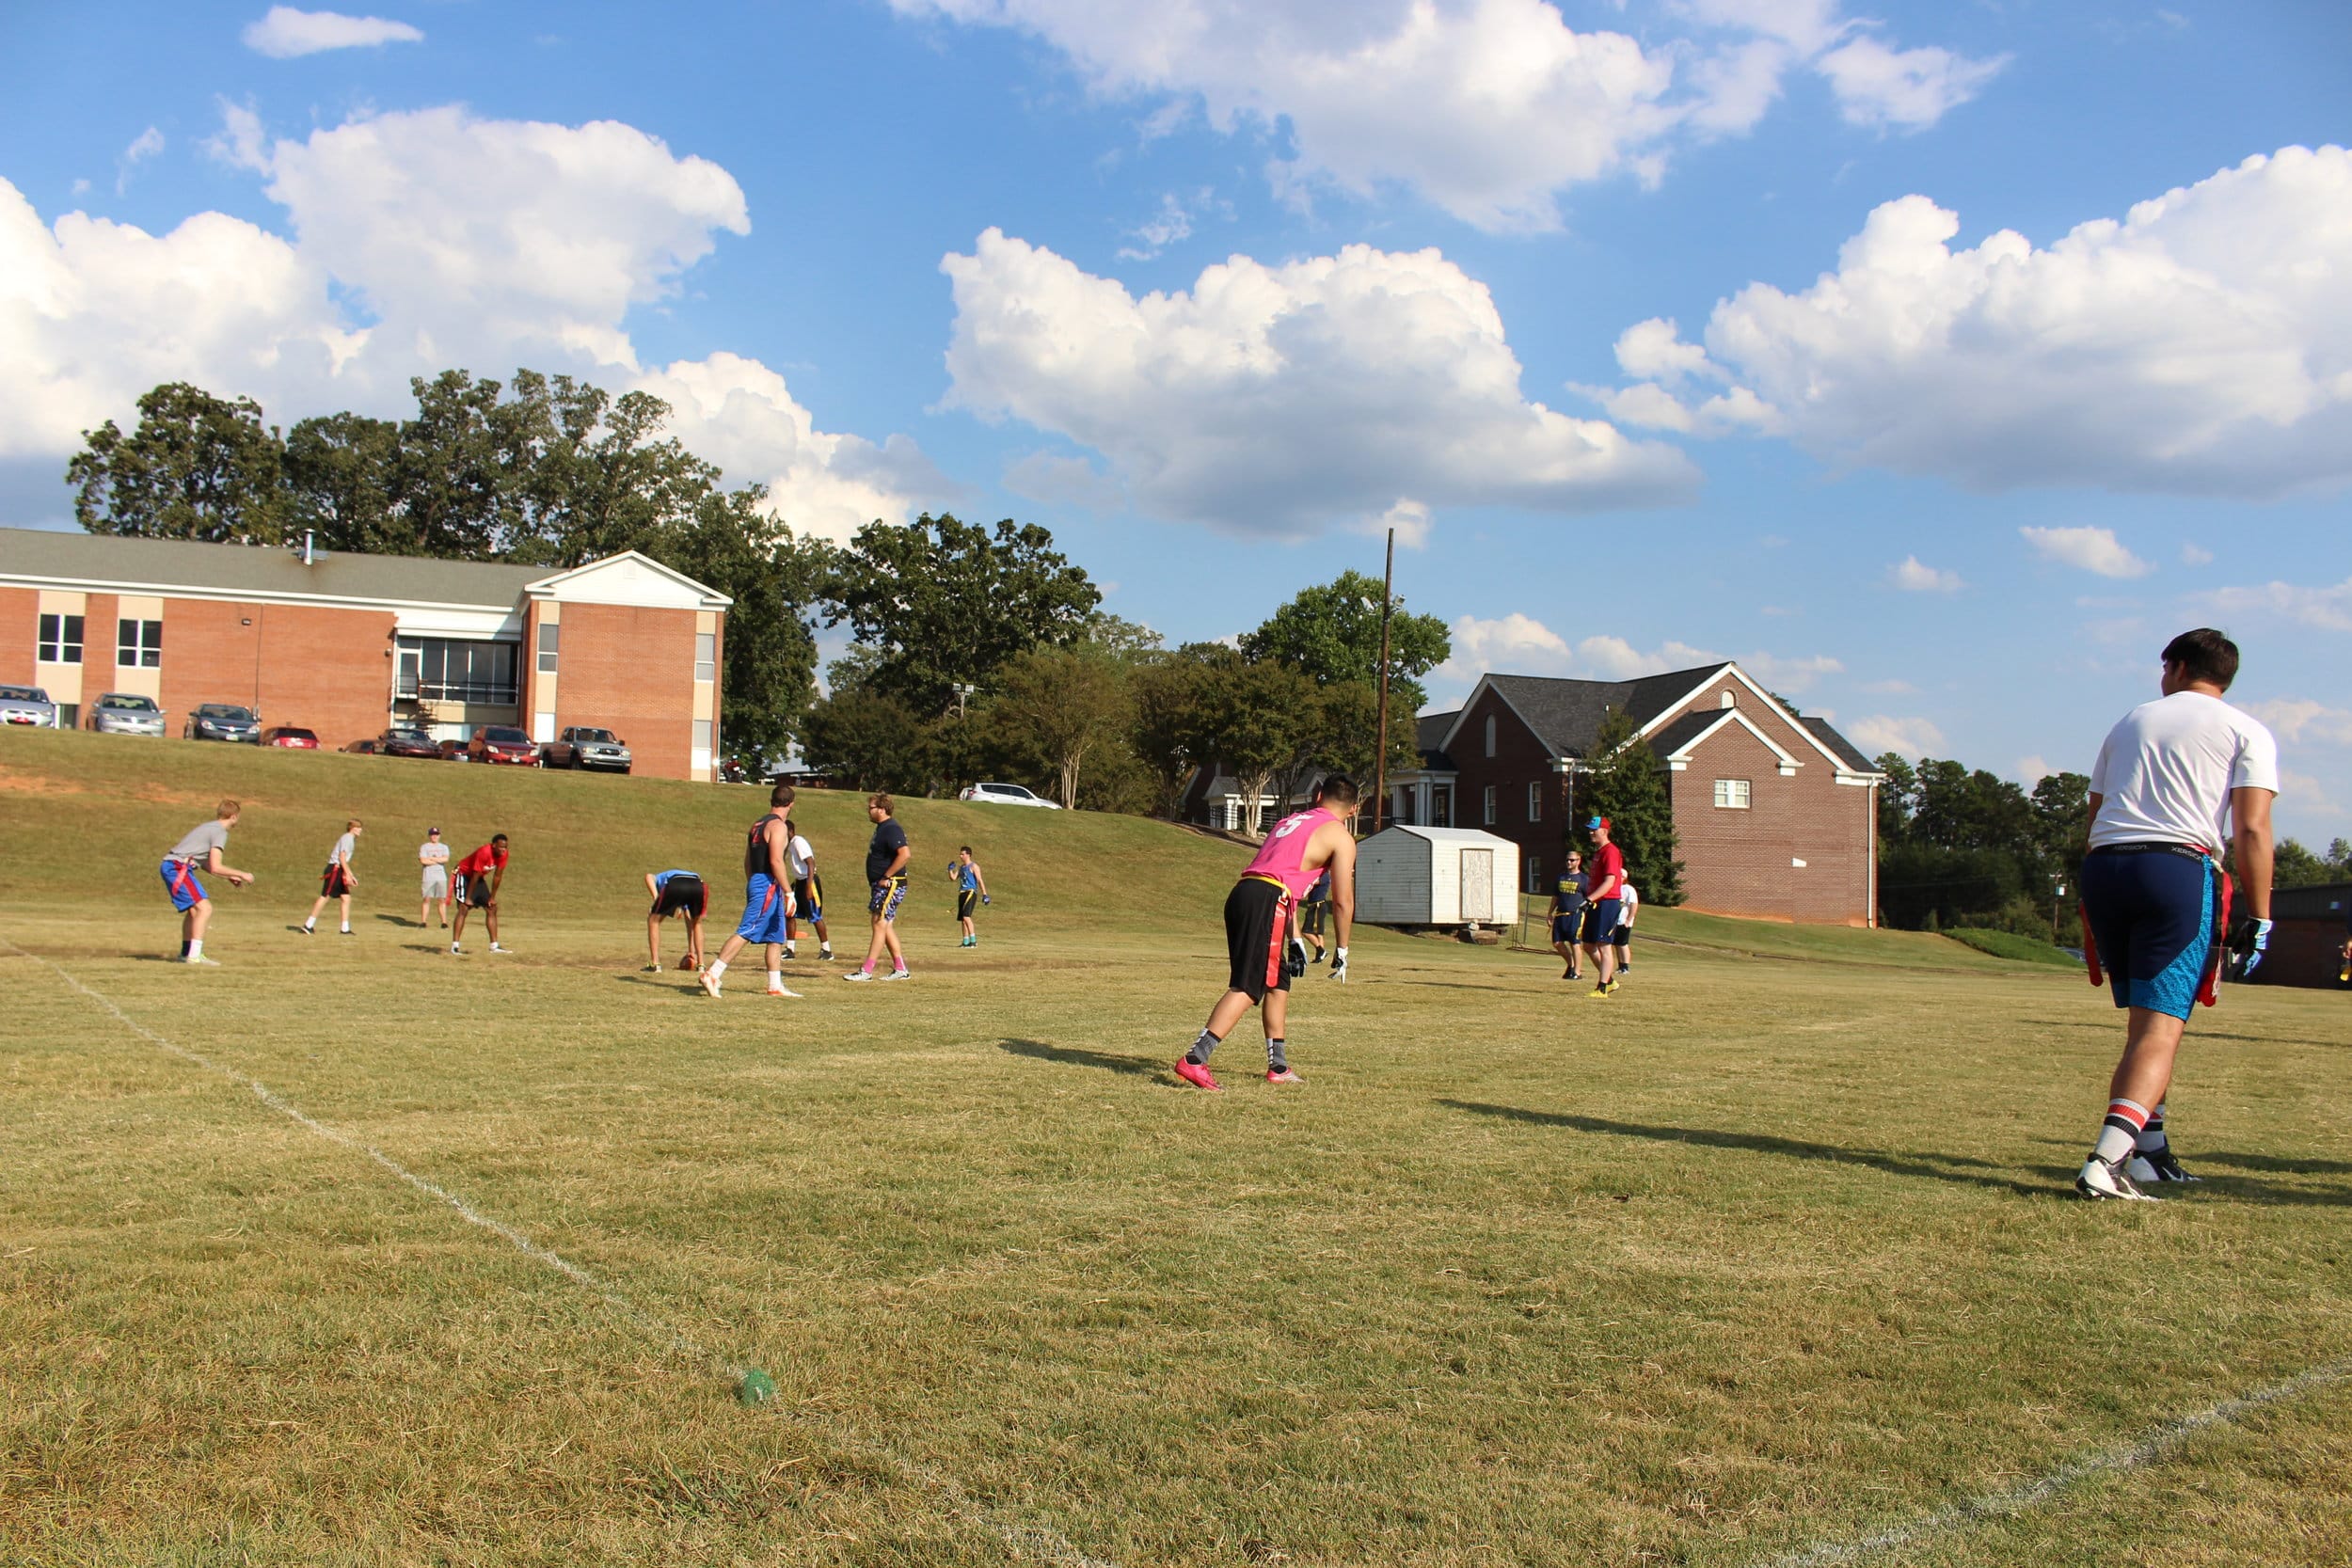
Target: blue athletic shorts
{"points": [[2152, 913], [1600, 921], [1565, 926], [763, 910], [180, 881], [888, 894]]}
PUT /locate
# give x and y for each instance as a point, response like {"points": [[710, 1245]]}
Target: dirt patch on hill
{"points": [[16, 781]]}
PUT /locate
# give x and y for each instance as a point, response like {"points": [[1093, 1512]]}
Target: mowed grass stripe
{"points": [[1758, 1254]]}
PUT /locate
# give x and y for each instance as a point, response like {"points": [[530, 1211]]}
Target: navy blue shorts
{"points": [[1564, 927], [1600, 921], [2152, 913]]}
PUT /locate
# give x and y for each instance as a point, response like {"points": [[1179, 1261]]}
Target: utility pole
{"points": [[1380, 758]]}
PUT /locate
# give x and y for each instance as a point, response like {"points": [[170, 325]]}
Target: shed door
{"points": [[1478, 884]]}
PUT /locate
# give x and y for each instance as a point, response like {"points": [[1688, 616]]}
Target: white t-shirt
{"points": [[344, 848], [797, 858], [2165, 773], [1628, 902]]}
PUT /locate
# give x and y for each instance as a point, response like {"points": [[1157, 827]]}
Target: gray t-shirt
{"points": [[346, 848], [198, 846]]}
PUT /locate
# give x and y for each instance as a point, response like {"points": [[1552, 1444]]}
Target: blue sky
{"points": [[2007, 339]]}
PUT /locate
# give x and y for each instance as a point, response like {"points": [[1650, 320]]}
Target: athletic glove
{"points": [[1294, 957], [983, 897], [1339, 965], [2249, 939]]}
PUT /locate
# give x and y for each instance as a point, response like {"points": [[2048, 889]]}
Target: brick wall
{"points": [[1519, 760], [323, 669], [20, 624], [632, 671], [1741, 861]]}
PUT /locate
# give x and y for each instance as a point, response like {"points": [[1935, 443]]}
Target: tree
{"points": [[339, 476], [198, 467], [1252, 716], [768, 649], [1063, 704], [2061, 825], [2294, 866], [1331, 634], [947, 603], [1897, 797], [457, 476], [1624, 782], [1171, 734]]}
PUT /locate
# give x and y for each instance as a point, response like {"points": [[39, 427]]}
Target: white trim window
{"points": [[706, 657], [138, 644], [1490, 799], [1534, 874], [60, 640], [1733, 794], [550, 643], [1535, 800]]}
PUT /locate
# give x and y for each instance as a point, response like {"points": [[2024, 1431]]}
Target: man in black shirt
{"points": [[1567, 912], [886, 860]]}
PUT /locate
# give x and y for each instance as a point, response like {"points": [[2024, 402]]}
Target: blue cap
{"points": [[1597, 825]]}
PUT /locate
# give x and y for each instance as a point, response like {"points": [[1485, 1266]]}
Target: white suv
{"points": [[1003, 795]]}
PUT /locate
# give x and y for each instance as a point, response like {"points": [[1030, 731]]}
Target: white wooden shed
{"points": [[1410, 875]]}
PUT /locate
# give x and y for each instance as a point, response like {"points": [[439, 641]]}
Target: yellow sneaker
{"points": [[1600, 992]]}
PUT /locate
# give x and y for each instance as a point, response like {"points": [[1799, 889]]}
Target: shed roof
{"points": [[1443, 835]]}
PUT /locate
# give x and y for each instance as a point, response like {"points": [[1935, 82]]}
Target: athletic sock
{"points": [[347, 931], [2121, 1130], [1201, 1046], [183, 947], [309, 924], [775, 980], [718, 967], [196, 948], [1274, 1062], [2151, 1139]]}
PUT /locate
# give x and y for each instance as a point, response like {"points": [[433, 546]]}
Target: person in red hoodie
{"points": [[1603, 907], [480, 876]]}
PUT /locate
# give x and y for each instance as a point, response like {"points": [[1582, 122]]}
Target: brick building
{"points": [[1777, 814], [348, 644]]}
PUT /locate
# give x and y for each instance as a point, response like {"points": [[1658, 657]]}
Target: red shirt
{"points": [[487, 857], [1608, 868]]}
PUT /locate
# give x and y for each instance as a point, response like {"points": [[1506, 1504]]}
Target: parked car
{"points": [[407, 743], [1003, 795], [580, 746], [291, 735], [223, 722], [363, 747], [126, 713], [27, 705], [503, 743], [452, 751]]}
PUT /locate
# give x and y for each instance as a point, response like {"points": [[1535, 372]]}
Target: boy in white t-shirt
{"points": [[2175, 780], [337, 881], [808, 892], [433, 855]]}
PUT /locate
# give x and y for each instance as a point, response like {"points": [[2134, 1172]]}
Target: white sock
{"points": [[309, 924], [196, 948], [775, 980], [346, 928], [718, 967]]}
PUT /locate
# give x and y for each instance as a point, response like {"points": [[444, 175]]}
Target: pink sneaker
{"points": [[1285, 1076], [1194, 1074]]}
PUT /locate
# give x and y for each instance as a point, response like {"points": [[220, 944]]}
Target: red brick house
{"points": [[349, 644], [1777, 814]]}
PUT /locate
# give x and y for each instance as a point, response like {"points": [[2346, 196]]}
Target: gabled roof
{"points": [[1673, 742], [1848, 752], [1429, 732], [1566, 715], [633, 571]]}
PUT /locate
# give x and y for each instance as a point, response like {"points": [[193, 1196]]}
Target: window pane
{"points": [[706, 656], [550, 637], [151, 646], [702, 735]]}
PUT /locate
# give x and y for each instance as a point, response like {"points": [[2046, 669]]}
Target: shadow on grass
{"points": [[1075, 1055], [2278, 1164], [663, 981], [1932, 1167], [2107, 1022]]}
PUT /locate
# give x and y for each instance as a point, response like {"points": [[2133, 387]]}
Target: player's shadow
{"points": [[1936, 1168], [1078, 1056], [2272, 1162], [661, 982]]}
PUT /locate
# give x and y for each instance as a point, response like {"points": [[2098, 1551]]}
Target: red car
{"points": [[289, 734], [503, 743]]}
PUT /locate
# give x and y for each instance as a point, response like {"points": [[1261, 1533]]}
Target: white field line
{"points": [[1975, 1511], [1028, 1540]]}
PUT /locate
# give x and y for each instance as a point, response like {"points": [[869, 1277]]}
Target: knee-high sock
{"points": [[2121, 1130]]}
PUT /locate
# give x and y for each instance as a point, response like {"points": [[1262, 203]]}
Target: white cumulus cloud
{"points": [[2092, 549], [1277, 399], [285, 32], [1489, 108], [1519, 644], [2299, 719], [1913, 575], [422, 241], [2201, 343], [2327, 608], [1881, 733], [145, 145]]}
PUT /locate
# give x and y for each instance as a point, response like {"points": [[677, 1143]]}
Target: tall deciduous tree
{"points": [[1253, 715], [1065, 706], [1171, 734], [946, 603], [196, 466], [339, 484], [1332, 635], [1627, 783]]}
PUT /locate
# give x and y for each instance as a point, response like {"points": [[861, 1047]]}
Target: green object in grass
{"points": [[755, 1387]]}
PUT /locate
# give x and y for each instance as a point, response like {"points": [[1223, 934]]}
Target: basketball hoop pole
{"points": [[1380, 758]]}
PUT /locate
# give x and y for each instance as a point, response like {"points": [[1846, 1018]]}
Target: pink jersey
{"points": [[1284, 852]]}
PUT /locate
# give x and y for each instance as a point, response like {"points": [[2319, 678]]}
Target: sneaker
{"points": [[1598, 993], [202, 962], [2166, 1166], [1614, 984], [859, 974], [708, 981], [496, 948], [650, 969], [897, 975], [2099, 1180], [1197, 1074], [1285, 1076], [349, 932], [824, 954], [789, 954], [2140, 1171], [308, 931], [456, 950], [779, 990]]}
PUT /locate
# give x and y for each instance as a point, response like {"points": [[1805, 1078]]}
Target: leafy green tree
{"points": [[768, 652], [340, 482], [459, 476], [946, 603], [1252, 716], [1897, 797], [1933, 886], [1064, 706], [2294, 866], [2061, 824], [198, 467], [1624, 782], [1332, 635], [1171, 734]]}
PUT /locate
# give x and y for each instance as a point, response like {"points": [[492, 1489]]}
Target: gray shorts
{"points": [[437, 882]]}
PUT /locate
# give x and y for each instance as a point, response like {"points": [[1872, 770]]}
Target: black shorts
{"points": [[334, 883], [967, 902], [808, 899], [684, 896], [475, 892], [1622, 938], [1257, 927], [1311, 915]]}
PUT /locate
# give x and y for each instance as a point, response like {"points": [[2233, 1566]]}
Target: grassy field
{"points": [[1763, 1262]]}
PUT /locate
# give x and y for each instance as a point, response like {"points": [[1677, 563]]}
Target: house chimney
{"points": [[310, 557]]}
